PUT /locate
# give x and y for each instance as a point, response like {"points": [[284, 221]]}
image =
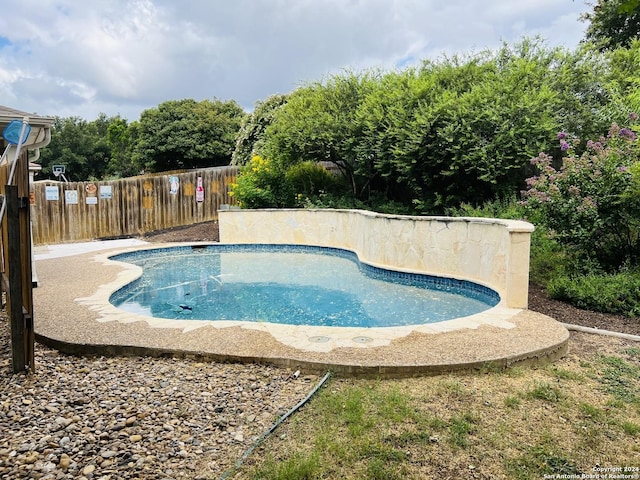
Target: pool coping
{"points": [[73, 315]]}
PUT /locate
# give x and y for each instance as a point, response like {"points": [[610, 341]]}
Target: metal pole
{"points": [[25, 122]]}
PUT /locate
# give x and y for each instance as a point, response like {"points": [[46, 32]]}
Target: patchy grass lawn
{"points": [[571, 417]]}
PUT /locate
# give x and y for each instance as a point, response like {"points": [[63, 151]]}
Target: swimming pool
{"points": [[290, 284]]}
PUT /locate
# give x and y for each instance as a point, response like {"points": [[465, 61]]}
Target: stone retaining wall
{"points": [[488, 251]]}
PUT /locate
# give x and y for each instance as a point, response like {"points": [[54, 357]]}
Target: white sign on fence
{"points": [[105, 191], [174, 185], [51, 193], [71, 197]]}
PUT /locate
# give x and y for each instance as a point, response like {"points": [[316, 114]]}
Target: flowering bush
{"points": [[591, 203], [264, 184], [260, 185]]}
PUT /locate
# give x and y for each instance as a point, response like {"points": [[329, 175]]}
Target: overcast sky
{"points": [[83, 57]]}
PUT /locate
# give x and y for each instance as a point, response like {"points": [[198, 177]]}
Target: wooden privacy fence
{"points": [[76, 211]]}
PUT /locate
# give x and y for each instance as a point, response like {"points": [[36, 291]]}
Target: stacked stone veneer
{"points": [[489, 251]]}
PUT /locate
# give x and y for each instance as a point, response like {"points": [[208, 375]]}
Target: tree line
{"points": [[456, 129], [460, 129], [175, 135]]}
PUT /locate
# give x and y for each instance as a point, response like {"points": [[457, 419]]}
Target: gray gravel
{"points": [[142, 418]]}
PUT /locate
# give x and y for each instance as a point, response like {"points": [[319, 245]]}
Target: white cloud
{"points": [[73, 57]]}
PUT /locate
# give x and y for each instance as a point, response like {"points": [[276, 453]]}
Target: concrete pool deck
{"points": [[72, 314]]}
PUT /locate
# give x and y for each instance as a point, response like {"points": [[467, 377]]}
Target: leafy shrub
{"points": [[265, 184], [309, 180], [616, 293], [591, 203], [548, 260], [261, 184], [504, 207]]}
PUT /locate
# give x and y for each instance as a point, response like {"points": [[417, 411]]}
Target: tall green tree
{"points": [[319, 123], [122, 137], [463, 129], [80, 146], [459, 129], [182, 134], [623, 82], [250, 138], [613, 23]]}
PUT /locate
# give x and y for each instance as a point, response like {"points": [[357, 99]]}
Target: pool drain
{"points": [[319, 339], [362, 339]]}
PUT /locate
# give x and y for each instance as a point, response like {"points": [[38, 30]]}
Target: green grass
{"points": [[512, 402], [546, 392], [554, 420], [452, 388], [632, 351], [378, 469], [538, 461], [460, 427], [298, 467], [621, 379], [630, 428], [563, 373], [591, 412]]}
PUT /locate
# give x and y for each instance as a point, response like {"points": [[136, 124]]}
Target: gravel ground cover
{"points": [[142, 418]]}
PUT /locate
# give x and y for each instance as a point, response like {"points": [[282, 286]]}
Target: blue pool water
{"points": [[296, 285]]}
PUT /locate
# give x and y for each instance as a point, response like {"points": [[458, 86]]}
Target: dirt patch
{"points": [[539, 301], [198, 232]]}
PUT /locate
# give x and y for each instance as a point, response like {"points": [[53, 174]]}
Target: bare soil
{"points": [[198, 232], [539, 301]]}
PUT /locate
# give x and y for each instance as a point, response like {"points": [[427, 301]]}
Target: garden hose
{"points": [[271, 429]]}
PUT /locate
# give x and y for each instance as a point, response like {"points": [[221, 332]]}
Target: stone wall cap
{"points": [[513, 226]]}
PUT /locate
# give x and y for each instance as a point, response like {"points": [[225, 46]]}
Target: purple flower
{"points": [[627, 134], [633, 116], [622, 169], [564, 146], [542, 159], [542, 197], [591, 145], [562, 135]]}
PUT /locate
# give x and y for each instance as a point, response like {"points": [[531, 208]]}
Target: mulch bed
{"points": [[539, 301]]}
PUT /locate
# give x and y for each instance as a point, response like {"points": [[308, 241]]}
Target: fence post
{"points": [[15, 279], [22, 335]]}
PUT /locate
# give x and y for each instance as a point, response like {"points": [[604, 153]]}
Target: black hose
{"points": [[271, 429]]}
